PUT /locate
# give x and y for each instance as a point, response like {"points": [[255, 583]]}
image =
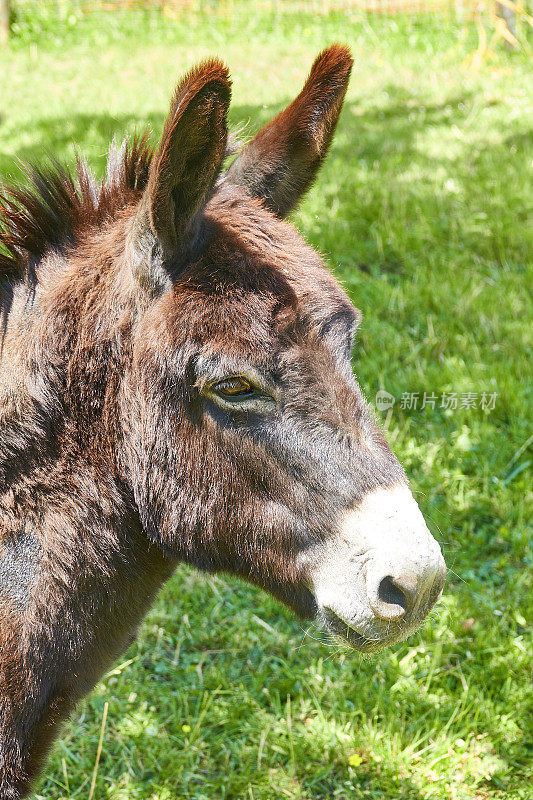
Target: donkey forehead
{"points": [[247, 235], [258, 280]]}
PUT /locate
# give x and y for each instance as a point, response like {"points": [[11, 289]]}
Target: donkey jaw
{"points": [[377, 579]]}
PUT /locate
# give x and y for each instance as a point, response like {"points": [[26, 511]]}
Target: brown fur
{"points": [[122, 303]]}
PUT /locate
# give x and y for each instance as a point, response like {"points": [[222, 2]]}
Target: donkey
{"points": [[176, 386]]}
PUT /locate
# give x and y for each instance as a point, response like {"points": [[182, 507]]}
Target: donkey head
{"points": [[247, 440]]}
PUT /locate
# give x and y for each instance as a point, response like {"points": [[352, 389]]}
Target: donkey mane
{"points": [[55, 208]]}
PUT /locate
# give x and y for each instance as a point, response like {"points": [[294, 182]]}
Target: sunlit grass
{"points": [[422, 210]]}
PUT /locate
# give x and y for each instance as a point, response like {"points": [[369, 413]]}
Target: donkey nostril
{"points": [[390, 594], [391, 598]]}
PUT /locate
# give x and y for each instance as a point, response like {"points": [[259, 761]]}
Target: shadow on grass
{"points": [[376, 160], [375, 133]]}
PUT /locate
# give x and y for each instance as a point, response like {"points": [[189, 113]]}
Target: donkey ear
{"points": [[281, 161], [187, 163]]}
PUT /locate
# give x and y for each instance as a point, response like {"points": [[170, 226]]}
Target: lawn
{"points": [[422, 211]]}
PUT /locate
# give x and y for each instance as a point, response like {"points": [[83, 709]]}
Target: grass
{"points": [[423, 210]]}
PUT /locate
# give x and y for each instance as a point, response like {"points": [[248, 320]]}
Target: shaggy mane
{"points": [[56, 206]]}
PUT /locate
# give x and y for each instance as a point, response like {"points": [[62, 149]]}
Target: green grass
{"points": [[422, 210]]}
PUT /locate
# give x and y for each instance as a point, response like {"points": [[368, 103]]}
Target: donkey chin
{"points": [[376, 580]]}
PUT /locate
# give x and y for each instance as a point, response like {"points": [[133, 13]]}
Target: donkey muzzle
{"points": [[376, 580]]}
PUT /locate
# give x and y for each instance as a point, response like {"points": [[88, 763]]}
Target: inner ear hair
{"points": [[184, 169]]}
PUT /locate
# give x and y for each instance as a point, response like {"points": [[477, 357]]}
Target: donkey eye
{"points": [[234, 388]]}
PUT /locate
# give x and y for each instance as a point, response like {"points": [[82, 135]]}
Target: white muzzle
{"points": [[377, 579]]}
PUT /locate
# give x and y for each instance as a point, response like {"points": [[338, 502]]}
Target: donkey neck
{"points": [[64, 346]]}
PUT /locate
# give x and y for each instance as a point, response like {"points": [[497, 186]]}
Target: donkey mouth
{"points": [[344, 634]]}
